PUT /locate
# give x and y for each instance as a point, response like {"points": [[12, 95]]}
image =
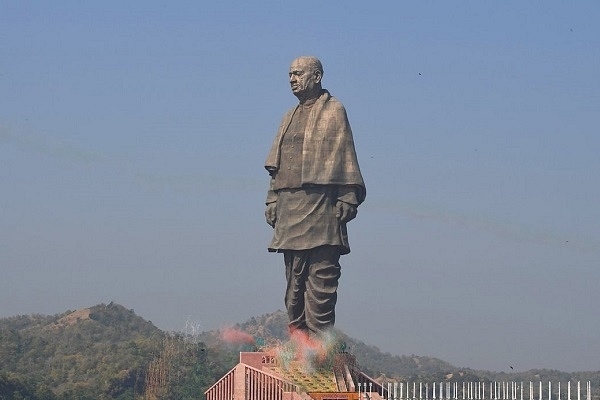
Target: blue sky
{"points": [[133, 136]]}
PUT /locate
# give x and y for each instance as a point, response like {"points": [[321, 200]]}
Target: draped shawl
{"points": [[328, 154]]}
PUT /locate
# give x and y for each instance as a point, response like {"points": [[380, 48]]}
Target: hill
{"points": [[108, 352], [102, 349], [101, 352]]}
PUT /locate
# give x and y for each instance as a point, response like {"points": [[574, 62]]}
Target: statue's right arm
{"points": [[271, 202], [271, 213]]}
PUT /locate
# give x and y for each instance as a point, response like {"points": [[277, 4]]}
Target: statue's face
{"points": [[303, 80]]}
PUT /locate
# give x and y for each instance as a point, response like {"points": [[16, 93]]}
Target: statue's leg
{"points": [[296, 270], [321, 288]]}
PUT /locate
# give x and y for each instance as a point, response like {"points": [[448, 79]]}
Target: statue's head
{"points": [[305, 74]]}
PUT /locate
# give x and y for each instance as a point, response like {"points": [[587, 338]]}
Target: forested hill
{"points": [[101, 352], [102, 349], [108, 352]]}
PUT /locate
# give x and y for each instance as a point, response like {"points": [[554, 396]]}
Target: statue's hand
{"points": [[345, 212], [271, 213]]}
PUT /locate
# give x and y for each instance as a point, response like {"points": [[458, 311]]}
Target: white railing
{"points": [[485, 391]]}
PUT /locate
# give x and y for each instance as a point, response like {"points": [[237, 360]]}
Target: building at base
{"points": [[260, 376]]}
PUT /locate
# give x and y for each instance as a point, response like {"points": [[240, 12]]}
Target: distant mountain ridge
{"points": [[401, 367], [370, 358], [101, 349], [108, 352]]}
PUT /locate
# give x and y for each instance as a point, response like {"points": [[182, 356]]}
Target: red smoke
{"points": [[234, 336], [308, 348]]}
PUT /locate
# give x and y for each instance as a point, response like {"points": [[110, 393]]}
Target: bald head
{"points": [[305, 75], [313, 63]]}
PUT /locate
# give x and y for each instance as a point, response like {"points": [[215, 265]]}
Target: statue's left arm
{"points": [[347, 203]]}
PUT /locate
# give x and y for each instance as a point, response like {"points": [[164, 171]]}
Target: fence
{"points": [[484, 391]]}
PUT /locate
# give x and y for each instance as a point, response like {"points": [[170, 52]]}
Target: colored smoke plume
{"points": [[235, 336], [309, 352]]}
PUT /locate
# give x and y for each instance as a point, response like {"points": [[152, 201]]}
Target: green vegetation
{"points": [[104, 352], [108, 352]]}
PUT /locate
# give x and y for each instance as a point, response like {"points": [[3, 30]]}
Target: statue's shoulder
{"points": [[288, 115], [334, 108], [333, 103]]}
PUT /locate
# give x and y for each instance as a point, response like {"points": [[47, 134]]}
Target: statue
{"points": [[315, 190]]}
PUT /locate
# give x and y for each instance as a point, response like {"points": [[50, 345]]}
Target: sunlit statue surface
{"points": [[315, 190]]}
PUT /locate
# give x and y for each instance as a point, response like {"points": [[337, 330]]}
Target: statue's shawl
{"points": [[328, 154]]}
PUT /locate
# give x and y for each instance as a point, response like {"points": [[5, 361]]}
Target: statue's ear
{"points": [[318, 76]]}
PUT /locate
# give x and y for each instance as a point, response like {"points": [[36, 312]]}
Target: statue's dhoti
{"points": [[312, 281]]}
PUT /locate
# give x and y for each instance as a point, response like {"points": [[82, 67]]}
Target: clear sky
{"points": [[133, 136]]}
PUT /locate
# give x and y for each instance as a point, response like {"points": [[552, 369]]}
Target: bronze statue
{"points": [[315, 189]]}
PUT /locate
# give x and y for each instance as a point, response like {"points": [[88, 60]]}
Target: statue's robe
{"points": [[326, 171]]}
